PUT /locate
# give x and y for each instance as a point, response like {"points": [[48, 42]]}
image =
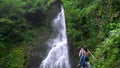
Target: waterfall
{"points": [[58, 54]]}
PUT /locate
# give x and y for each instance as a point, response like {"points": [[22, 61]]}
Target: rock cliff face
{"points": [[73, 54], [53, 9], [39, 50]]}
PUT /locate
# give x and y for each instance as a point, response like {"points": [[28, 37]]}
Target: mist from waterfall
{"points": [[58, 54]]}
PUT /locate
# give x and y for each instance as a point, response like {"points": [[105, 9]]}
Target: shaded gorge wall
{"points": [[39, 50]]}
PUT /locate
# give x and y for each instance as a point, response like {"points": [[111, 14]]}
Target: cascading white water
{"points": [[58, 54]]}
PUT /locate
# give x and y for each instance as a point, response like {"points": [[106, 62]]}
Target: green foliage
{"points": [[30, 35], [15, 58], [11, 8], [11, 20], [33, 5], [16, 29], [81, 24], [107, 53], [49, 2], [95, 23]]}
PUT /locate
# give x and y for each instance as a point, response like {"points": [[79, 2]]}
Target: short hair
{"points": [[85, 48]]}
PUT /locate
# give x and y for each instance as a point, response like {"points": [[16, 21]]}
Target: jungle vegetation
{"points": [[94, 23]]}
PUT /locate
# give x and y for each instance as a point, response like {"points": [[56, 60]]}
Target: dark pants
{"points": [[82, 61]]}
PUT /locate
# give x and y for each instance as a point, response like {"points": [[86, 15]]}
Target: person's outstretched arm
{"points": [[80, 52]]}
